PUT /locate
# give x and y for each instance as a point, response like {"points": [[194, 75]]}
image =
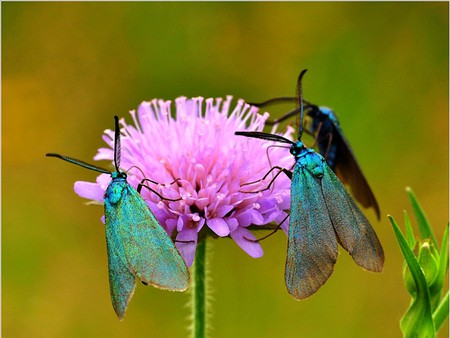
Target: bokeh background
{"points": [[67, 68]]}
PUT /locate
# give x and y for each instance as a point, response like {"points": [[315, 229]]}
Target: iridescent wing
{"points": [[349, 172], [354, 232], [334, 146], [312, 245], [149, 251], [121, 281]]}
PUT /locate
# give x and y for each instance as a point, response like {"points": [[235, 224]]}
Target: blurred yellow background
{"points": [[69, 67]]}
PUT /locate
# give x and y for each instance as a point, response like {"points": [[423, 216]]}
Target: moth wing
{"points": [[121, 281], [349, 172], [151, 254], [312, 245], [353, 230]]}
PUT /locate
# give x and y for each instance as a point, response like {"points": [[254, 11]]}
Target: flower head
{"points": [[196, 146]]}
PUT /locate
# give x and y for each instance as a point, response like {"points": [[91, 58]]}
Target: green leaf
{"points": [[443, 257], [441, 313], [410, 238], [436, 287], [422, 221], [418, 320]]}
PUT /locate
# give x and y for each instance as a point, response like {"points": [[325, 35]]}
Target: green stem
{"points": [[441, 313], [199, 292]]}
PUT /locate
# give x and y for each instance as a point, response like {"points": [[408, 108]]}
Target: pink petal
{"points": [[202, 203], [284, 201], [171, 224], [253, 249], [219, 226], [104, 154], [267, 203], [257, 218], [187, 250], [232, 224], [223, 210], [180, 224], [245, 218], [272, 216], [89, 190]]}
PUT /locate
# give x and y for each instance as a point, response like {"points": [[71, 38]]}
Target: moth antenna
{"points": [[79, 162], [300, 104], [117, 148]]}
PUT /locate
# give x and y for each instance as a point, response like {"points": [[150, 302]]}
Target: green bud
{"points": [[428, 259]]}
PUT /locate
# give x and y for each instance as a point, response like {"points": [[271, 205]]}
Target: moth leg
{"points": [[282, 118], [157, 183], [149, 180], [317, 134], [287, 172], [307, 131], [264, 177], [273, 146], [141, 185], [180, 241], [136, 167], [274, 231], [275, 100], [330, 139]]}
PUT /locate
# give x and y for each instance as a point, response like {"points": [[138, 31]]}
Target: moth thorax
{"points": [[115, 191], [297, 148], [312, 162]]}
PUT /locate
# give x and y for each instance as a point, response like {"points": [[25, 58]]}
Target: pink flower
{"points": [[196, 145]]}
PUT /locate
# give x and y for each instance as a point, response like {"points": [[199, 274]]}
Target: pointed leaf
{"points": [[443, 257], [436, 287], [441, 313], [417, 321], [422, 221], [410, 238]]}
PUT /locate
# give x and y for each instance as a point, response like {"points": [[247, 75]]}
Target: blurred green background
{"points": [[69, 67]]}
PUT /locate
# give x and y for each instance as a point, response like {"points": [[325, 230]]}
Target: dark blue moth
{"points": [[334, 146], [322, 215], [137, 244]]}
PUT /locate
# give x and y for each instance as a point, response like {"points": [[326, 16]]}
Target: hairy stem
{"points": [[198, 292]]}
